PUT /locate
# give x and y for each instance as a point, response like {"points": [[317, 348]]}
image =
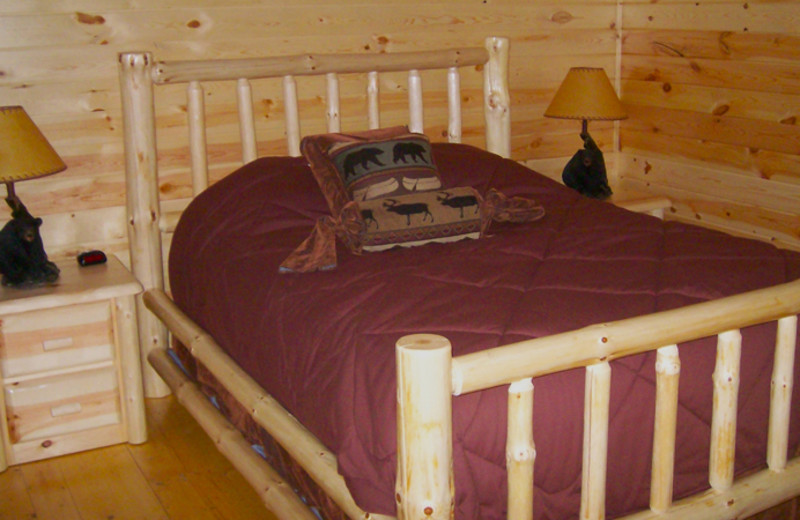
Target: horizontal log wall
{"points": [[58, 59], [713, 92]]}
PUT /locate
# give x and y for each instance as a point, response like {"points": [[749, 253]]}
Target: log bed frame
{"points": [[428, 376]]}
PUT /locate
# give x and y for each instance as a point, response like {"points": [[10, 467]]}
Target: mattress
{"points": [[322, 343]]}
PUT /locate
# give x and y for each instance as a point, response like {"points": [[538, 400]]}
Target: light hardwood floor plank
{"points": [[168, 478], [48, 490], [107, 484], [14, 497]]}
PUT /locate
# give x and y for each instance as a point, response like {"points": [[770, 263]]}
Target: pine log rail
{"points": [[315, 64], [594, 347]]}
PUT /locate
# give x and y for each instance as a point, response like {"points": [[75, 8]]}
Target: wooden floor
{"points": [[177, 474]]}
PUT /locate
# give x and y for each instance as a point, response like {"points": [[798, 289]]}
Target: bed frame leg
{"points": [[424, 487]]}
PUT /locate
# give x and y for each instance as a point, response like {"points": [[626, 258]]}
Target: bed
{"points": [[401, 382]]}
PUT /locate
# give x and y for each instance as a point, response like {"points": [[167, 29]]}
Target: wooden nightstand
{"points": [[69, 364]]}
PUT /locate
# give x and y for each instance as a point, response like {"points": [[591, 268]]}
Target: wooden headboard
{"points": [[141, 73]]}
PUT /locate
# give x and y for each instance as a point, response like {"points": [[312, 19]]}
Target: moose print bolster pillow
{"points": [[418, 218]]}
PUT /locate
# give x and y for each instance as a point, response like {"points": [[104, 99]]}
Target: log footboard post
{"points": [[781, 394], [141, 177], [668, 369], [520, 450], [595, 441], [723, 421], [424, 486]]}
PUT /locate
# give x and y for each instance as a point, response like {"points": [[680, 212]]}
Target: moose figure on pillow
{"points": [[586, 171]]}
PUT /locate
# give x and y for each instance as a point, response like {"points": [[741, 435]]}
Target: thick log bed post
{"points": [[136, 89], [424, 487], [497, 98]]}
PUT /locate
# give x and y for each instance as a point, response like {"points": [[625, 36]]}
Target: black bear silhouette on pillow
{"points": [[404, 151], [363, 158], [586, 170]]}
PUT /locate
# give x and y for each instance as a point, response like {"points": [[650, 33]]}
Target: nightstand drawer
{"points": [[34, 342], [46, 407]]}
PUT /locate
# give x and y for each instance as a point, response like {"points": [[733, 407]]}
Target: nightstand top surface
{"points": [[75, 284], [640, 201]]}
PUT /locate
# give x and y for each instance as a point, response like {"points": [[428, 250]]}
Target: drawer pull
{"points": [[55, 344], [65, 409]]}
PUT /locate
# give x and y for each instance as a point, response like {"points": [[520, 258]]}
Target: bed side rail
{"points": [[423, 401]]}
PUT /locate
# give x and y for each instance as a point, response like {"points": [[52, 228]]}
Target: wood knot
{"points": [[90, 19], [193, 24], [428, 511], [562, 17], [721, 109]]}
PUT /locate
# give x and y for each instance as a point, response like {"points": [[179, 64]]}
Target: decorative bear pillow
{"points": [[371, 164], [384, 190]]}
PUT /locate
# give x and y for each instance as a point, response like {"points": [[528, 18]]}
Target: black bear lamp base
{"points": [[586, 170], [23, 261]]}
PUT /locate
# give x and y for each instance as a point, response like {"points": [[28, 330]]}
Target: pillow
{"points": [[372, 164], [407, 220], [383, 190], [417, 218]]}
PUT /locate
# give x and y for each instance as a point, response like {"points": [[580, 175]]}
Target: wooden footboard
{"points": [[428, 375]]}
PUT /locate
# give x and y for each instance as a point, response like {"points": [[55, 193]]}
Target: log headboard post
{"points": [[497, 99], [143, 211]]}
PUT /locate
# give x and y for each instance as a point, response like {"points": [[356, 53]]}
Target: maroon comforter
{"points": [[323, 343]]}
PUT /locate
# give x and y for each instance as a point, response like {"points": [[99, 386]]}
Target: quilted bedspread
{"points": [[323, 343]]}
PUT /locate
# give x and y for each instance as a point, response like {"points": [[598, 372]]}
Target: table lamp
{"points": [[24, 154], [587, 94]]}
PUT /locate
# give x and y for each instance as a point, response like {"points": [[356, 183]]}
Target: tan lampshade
{"points": [[586, 93], [24, 152]]}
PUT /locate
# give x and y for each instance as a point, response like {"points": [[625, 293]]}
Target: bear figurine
{"points": [[23, 261], [586, 170]]}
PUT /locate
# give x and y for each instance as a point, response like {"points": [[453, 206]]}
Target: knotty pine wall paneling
{"points": [[713, 92], [58, 59]]}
